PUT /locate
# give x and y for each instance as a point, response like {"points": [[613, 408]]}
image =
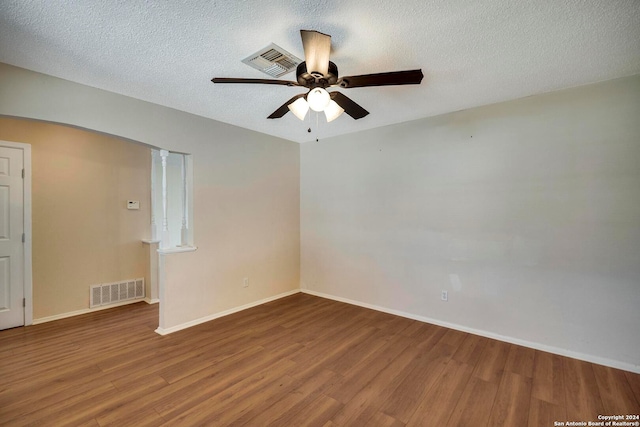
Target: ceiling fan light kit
{"points": [[317, 74], [318, 99], [333, 111], [299, 108]]}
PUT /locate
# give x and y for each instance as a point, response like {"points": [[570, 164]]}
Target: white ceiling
{"points": [[471, 52]]}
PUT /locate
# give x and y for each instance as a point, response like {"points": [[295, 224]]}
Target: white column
{"points": [[184, 231], [165, 241], [154, 227]]}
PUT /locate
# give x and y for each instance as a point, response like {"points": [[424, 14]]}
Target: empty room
{"points": [[320, 213]]}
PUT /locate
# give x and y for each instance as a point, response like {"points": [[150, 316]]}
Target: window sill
{"points": [[177, 249]]}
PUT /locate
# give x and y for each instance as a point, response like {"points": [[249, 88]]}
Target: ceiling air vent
{"points": [[273, 60]]}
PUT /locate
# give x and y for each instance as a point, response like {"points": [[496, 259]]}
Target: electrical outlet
{"points": [[245, 282], [444, 296]]}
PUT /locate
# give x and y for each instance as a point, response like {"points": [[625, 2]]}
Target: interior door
{"points": [[11, 237]]}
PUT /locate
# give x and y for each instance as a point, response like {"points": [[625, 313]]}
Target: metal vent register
{"points": [[112, 293], [273, 60]]}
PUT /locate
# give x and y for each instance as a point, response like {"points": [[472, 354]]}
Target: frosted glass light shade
{"points": [[318, 99], [333, 111], [299, 108]]}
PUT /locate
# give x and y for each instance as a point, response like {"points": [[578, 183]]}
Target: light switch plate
{"points": [[133, 204]]}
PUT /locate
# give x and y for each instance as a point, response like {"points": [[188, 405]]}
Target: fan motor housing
{"points": [[315, 79]]}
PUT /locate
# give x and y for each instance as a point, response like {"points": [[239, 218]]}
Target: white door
{"points": [[11, 244]]}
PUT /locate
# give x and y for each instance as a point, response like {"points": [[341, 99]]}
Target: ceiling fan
{"points": [[317, 74]]}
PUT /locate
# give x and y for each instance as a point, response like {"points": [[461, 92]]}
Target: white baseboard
{"points": [[83, 311], [151, 301], [166, 331], [536, 346]]}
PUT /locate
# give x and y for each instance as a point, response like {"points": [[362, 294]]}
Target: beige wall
{"points": [[246, 194], [83, 233], [246, 218], [533, 205]]}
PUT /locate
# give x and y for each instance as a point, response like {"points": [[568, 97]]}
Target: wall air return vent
{"points": [[116, 293], [273, 60]]}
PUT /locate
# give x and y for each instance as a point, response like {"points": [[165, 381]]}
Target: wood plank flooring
{"points": [[301, 360]]}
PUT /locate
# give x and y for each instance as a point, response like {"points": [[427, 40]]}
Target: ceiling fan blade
{"points": [[317, 47], [284, 108], [260, 81], [350, 107], [409, 77]]}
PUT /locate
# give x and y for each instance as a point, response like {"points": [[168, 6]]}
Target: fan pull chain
{"points": [[317, 125]]}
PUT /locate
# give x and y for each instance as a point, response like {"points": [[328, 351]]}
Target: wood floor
{"points": [[301, 360]]}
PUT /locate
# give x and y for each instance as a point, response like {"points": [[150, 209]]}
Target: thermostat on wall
{"points": [[133, 204]]}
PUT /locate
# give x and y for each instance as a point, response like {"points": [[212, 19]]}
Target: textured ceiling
{"points": [[471, 52]]}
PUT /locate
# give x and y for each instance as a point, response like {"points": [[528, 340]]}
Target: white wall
{"points": [[246, 191], [534, 204]]}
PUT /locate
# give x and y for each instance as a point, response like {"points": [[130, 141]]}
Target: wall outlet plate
{"points": [[444, 296], [133, 204]]}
